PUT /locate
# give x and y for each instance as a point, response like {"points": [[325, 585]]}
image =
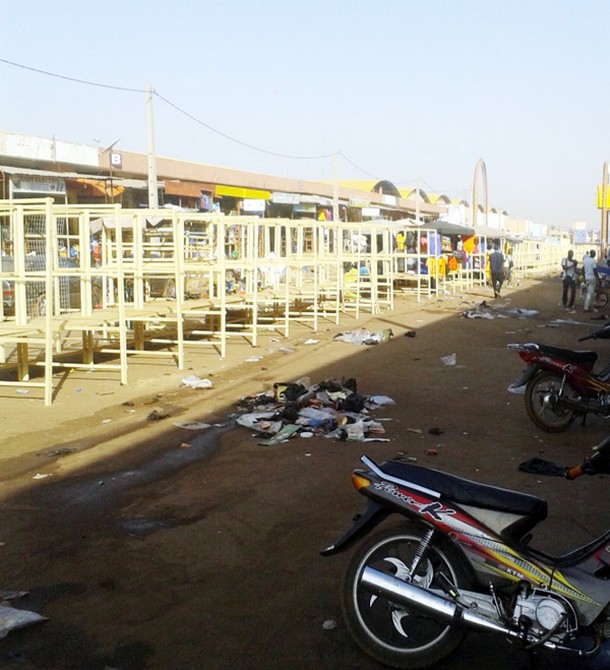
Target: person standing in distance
{"points": [[496, 269], [568, 265], [589, 267]]}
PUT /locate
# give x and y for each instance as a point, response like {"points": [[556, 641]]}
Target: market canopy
{"points": [[123, 221]]}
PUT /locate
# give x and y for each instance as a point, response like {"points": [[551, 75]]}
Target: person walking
{"points": [[496, 270], [589, 267], [568, 265]]}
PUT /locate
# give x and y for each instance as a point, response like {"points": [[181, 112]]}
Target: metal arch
{"points": [[479, 167]]}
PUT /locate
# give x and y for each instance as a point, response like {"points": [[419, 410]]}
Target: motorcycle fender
{"points": [[372, 516], [528, 374]]}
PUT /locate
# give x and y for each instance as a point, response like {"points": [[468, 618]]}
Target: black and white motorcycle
{"points": [[459, 559]]}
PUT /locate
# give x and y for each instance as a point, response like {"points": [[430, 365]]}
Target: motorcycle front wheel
{"points": [[543, 402], [396, 635]]}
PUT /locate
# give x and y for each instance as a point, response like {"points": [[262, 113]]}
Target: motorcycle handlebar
{"points": [[596, 464], [574, 472], [602, 333]]}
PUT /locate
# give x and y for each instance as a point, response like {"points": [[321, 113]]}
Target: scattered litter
{"points": [[185, 445], [254, 359], [195, 382], [306, 434], [363, 336], [431, 452], [60, 451], [523, 313], [284, 434], [329, 624], [39, 475], [414, 430], [449, 360], [11, 595], [380, 400], [286, 350], [192, 425], [157, 414], [310, 341], [480, 311], [410, 333], [12, 618], [539, 466], [106, 420], [435, 431], [22, 391]]}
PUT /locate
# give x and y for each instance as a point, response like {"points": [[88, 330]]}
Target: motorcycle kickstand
{"points": [[534, 660]]}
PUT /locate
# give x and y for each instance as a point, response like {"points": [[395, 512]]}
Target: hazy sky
{"points": [[405, 90]]}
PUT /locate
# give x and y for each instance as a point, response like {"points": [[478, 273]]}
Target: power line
{"points": [[358, 167], [187, 114], [74, 79], [233, 139], [168, 102]]}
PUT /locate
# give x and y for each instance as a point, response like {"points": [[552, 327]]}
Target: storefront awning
{"points": [[240, 192], [93, 187], [191, 189]]}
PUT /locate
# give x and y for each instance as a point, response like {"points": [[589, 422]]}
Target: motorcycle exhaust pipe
{"points": [[412, 596]]}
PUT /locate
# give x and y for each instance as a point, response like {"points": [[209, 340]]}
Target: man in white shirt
{"points": [[568, 265], [589, 267]]}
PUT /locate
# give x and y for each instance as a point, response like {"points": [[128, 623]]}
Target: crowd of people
{"points": [[589, 276]]}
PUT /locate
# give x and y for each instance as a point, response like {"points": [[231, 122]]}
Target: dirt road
{"points": [[147, 554]]}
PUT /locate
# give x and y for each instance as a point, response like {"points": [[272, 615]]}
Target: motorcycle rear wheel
{"points": [[394, 634], [542, 402]]}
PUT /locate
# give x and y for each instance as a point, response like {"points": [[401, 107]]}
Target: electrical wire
{"points": [[74, 79], [188, 115], [358, 167], [233, 139]]}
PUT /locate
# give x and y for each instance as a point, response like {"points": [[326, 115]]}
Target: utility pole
{"points": [[604, 235], [335, 190], [153, 194]]}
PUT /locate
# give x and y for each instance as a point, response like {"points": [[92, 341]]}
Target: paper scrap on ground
{"points": [[196, 383], [363, 336], [12, 618], [192, 425]]}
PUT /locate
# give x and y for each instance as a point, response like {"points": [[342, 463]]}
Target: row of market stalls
{"points": [[96, 287]]}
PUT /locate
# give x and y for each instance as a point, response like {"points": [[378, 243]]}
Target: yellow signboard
{"points": [[599, 199]]}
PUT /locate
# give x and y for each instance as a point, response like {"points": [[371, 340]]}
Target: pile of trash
{"points": [[332, 408]]}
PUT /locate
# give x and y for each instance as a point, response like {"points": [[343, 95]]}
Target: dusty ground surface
{"points": [[147, 554]]}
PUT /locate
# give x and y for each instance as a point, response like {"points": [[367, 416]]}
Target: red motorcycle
{"points": [[560, 383], [459, 559]]}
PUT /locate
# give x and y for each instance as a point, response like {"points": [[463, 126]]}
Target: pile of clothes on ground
{"points": [[332, 408]]}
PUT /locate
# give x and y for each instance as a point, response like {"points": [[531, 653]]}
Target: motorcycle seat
{"points": [[582, 357], [468, 492]]}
